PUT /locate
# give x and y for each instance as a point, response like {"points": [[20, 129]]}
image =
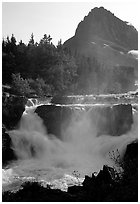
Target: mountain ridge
{"points": [[103, 23], [107, 39]]}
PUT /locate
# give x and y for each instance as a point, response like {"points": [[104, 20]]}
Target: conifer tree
{"points": [[31, 41]]}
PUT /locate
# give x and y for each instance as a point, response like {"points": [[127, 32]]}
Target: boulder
{"points": [[89, 182], [104, 176]]}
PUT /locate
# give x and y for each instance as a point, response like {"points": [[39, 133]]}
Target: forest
{"points": [[44, 69], [39, 68]]}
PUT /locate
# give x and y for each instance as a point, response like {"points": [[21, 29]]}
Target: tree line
{"points": [[40, 67], [45, 69]]}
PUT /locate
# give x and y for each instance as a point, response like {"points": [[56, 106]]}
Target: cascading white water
{"points": [[46, 157]]}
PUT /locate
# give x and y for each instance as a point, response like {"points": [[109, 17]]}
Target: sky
{"points": [[59, 19]]}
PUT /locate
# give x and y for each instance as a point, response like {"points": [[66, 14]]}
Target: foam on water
{"points": [[46, 158]]}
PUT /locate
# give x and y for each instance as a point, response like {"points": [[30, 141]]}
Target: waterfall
{"points": [[44, 156]]}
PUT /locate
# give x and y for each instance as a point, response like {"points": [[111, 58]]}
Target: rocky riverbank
{"points": [[107, 186], [12, 109]]}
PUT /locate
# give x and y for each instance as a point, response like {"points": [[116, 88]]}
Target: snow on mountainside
{"points": [[133, 53], [111, 42], [106, 37]]}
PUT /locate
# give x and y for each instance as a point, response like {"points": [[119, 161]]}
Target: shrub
{"points": [[40, 87], [20, 86]]}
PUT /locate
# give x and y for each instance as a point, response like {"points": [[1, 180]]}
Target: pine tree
{"points": [[46, 39], [13, 40], [31, 41]]}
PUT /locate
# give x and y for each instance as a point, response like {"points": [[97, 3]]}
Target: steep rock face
{"points": [[102, 23], [108, 120], [115, 120], [55, 118], [12, 110]]}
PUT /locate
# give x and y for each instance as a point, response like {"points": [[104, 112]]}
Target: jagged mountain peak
{"points": [[104, 38], [99, 11], [104, 24]]}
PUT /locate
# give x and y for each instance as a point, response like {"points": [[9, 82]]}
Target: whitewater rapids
{"points": [[47, 159]]}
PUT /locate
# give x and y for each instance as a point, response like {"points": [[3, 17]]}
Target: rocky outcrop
{"points": [[55, 118], [12, 110], [115, 120], [7, 152], [34, 192], [130, 160], [107, 120]]}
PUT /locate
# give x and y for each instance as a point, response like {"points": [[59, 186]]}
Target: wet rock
{"points": [[88, 181], [12, 110], [123, 119], [97, 187], [7, 152], [115, 120], [130, 160], [100, 188], [131, 150], [55, 118], [75, 189], [104, 120], [34, 192], [104, 176]]}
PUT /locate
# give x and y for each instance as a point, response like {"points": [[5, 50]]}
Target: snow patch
{"points": [[133, 53], [105, 45]]}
